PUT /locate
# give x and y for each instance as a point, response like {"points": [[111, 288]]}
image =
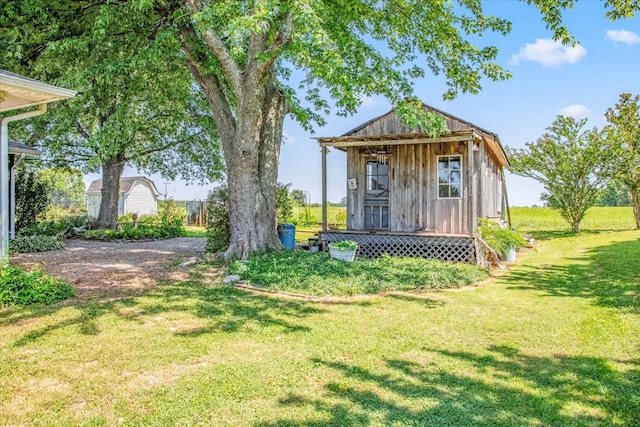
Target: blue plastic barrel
{"points": [[287, 235]]}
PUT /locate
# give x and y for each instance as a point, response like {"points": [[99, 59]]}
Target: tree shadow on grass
{"points": [[496, 387], [558, 234], [221, 308], [610, 275], [426, 301], [551, 234]]}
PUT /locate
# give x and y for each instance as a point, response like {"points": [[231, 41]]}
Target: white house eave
{"points": [[21, 92], [26, 152], [16, 93]]}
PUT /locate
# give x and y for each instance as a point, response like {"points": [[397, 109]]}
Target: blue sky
{"points": [[548, 79]]}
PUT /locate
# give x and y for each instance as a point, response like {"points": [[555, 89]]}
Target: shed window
{"points": [[377, 179], [449, 177]]}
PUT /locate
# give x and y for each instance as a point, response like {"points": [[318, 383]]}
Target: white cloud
{"points": [[623, 36], [549, 53], [287, 138], [368, 101], [576, 111]]}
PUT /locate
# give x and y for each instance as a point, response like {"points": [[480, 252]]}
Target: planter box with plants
{"points": [[344, 250]]}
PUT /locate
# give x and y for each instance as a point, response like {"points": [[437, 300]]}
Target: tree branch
{"points": [[231, 70], [285, 37], [210, 83], [168, 145], [82, 130]]}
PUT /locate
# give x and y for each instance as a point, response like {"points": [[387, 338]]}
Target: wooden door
{"points": [[376, 196]]}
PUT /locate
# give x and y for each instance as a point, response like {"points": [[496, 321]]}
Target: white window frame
{"points": [[449, 156]]}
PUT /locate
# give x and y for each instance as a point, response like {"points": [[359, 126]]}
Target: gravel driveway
{"points": [[99, 268]]}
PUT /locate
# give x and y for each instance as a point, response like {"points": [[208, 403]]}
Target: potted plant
{"points": [[505, 241], [344, 250]]}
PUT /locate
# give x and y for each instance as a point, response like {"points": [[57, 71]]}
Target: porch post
{"points": [[471, 211], [5, 175], [324, 189], [505, 199]]}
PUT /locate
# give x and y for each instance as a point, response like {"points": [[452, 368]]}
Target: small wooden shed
{"points": [[412, 194], [138, 194]]}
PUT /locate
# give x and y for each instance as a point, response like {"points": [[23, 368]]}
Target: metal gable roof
{"points": [[389, 126], [126, 183]]}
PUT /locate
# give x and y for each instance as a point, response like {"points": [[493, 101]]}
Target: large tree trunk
{"points": [[252, 171], [249, 113], [635, 202], [111, 173]]}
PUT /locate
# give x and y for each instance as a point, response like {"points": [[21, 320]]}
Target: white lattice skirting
{"points": [[444, 248]]}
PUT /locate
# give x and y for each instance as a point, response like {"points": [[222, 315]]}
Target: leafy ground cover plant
{"points": [[48, 234], [19, 287], [62, 227], [317, 274], [36, 243]]}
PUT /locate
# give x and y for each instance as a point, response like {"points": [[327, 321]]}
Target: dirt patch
{"points": [[97, 268]]}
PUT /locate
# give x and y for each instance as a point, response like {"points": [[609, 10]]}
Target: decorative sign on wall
{"points": [[352, 183]]}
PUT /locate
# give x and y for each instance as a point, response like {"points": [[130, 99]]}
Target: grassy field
{"points": [[542, 220], [303, 234], [553, 341], [193, 231], [316, 213]]}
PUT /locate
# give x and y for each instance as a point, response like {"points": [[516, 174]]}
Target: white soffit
{"points": [[20, 92]]}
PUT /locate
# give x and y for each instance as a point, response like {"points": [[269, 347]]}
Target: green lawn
{"points": [[193, 231], [302, 234], [551, 342]]}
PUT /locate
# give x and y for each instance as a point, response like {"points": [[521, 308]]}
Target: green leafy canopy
{"points": [[623, 134], [573, 165], [327, 52], [137, 101]]}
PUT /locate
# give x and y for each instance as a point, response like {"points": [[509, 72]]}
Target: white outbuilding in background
{"points": [[138, 194]]}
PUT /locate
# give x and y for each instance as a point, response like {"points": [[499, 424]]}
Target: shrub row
{"points": [[62, 227], [138, 232]]}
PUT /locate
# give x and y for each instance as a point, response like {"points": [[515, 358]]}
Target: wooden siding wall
{"points": [[355, 197], [488, 183], [93, 205], [391, 124], [413, 203]]}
